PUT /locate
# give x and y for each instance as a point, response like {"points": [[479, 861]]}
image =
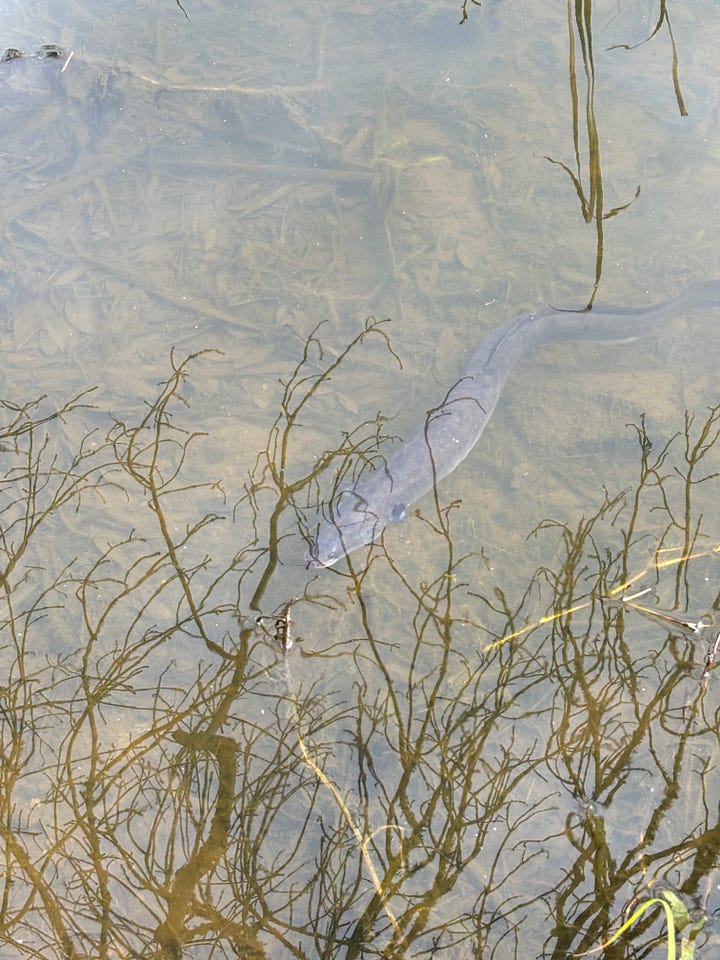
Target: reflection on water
{"points": [[453, 765]]}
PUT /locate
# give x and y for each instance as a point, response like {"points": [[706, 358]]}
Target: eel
{"points": [[360, 511]]}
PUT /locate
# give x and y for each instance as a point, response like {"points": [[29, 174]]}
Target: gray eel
{"points": [[359, 512]]}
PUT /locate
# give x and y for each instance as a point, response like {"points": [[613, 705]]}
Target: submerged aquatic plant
{"points": [[207, 750], [677, 918]]}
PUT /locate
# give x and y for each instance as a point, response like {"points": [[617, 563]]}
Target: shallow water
{"points": [[228, 184]]}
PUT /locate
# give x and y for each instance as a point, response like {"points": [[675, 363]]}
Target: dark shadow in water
{"points": [[182, 777]]}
